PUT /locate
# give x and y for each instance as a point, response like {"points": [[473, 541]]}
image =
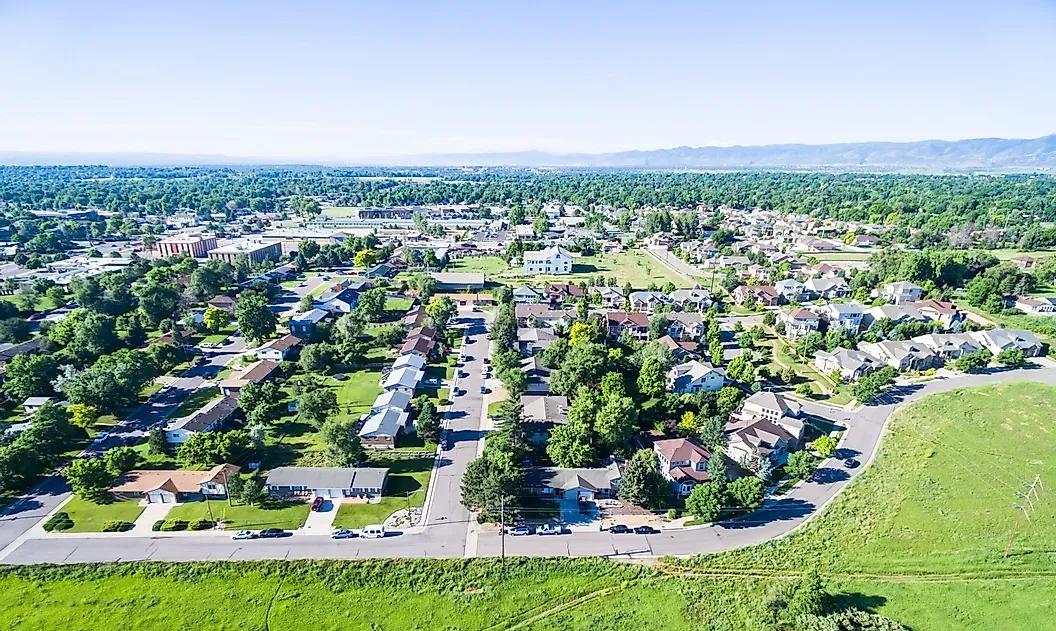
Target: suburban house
{"points": [[680, 351], [905, 355], [338, 301], [791, 290], [686, 325], [997, 340], [209, 418], [827, 288], [798, 322], [902, 291], [846, 315], [684, 462], [257, 372], [415, 317], [160, 486], [695, 376], [552, 260], [763, 295], [1025, 263], [610, 297], [897, 314], [409, 360], [303, 325], [541, 413], [459, 281], [280, 349], [633, 323], [328, 482], [227, 303], [852, 365], [586, 485], [945, 313], [865, 241], [1035, 306], [757, 440], [774, 408], [542, 314], [561, 293], [405, 379], [949, 346], [647, 300], [418, 345], [691, 299], [534, 340], [384, 425], [528, 295], [538, 375]]}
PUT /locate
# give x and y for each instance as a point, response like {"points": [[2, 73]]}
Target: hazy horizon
{"points": [[364, 83]]}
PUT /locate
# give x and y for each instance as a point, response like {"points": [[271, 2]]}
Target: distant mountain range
{"points": [[979, 154], [992, 154]]}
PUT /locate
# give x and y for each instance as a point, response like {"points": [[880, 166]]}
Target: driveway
{"points": [[321, 522]]}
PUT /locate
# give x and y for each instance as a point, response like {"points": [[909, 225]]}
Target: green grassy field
{"points": [[89, 517], [632, 266], [242, 516], [195, 401], [407, 477], [922, 532]]}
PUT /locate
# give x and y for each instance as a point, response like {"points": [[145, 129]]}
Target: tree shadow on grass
{"points": [[842, 601]]}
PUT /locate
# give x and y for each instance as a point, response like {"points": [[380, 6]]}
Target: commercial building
{"points": [[254, 251], [192, 245]]}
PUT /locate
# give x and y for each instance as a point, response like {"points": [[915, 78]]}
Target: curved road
{"points": [[448, 537]]}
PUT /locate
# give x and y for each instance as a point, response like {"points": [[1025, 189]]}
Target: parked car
{"points": [[373, 532], [344, 533], [317, 503], [447, 444], [101, 437], [619, 529], [549, 529], [483, 389], [244, 534], [520, 531], [851, 463], [646, 530], [487, 360], [271, 533]]}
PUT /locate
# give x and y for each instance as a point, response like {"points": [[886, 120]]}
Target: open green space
{"points": [[631, 266], [922, 532], [43, 302], [405, 487], [286, 515], [195, 401], [88, 516], [398, 303]]}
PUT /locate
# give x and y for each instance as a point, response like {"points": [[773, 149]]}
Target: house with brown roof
{"points": [[227, 303], [257, 372], [760, 439], [763, 295], [799, 322], [684, 462], [159, 486], [633, 323], [280, 349], [210, 417]]}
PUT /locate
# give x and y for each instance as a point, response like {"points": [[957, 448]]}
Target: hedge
{"points": [[173, 524], [58, 521], [117, 526], [201, 524]]}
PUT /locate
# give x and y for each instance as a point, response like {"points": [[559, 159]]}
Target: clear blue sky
{"points": [[348, 80]]}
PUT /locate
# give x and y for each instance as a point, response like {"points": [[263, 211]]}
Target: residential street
{"points": [[445, 532]]}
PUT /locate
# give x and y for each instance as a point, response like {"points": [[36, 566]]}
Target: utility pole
{"points": [[502, 533], [1033, 498]]}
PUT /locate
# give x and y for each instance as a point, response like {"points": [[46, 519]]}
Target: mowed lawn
{"points": [[88, 516], [631, 266], [287, 515], [406, 486]]}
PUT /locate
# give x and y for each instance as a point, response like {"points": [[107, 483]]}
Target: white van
{"points": [[373, 532]]}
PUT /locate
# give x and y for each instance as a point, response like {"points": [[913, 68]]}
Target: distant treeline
{"points": [[933, 202]]}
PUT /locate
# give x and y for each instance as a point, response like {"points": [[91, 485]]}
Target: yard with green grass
{"points": [[286, 515], [195, 401], [632, 266], [88, 516], [406, 486]]}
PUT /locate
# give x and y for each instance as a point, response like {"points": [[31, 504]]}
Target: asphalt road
{"points": [[445, 534]]}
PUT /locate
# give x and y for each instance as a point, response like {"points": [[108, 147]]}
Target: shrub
{"points": [[673, 513], [58, 521], [117, 526], [201, 524], [173, 524]]}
